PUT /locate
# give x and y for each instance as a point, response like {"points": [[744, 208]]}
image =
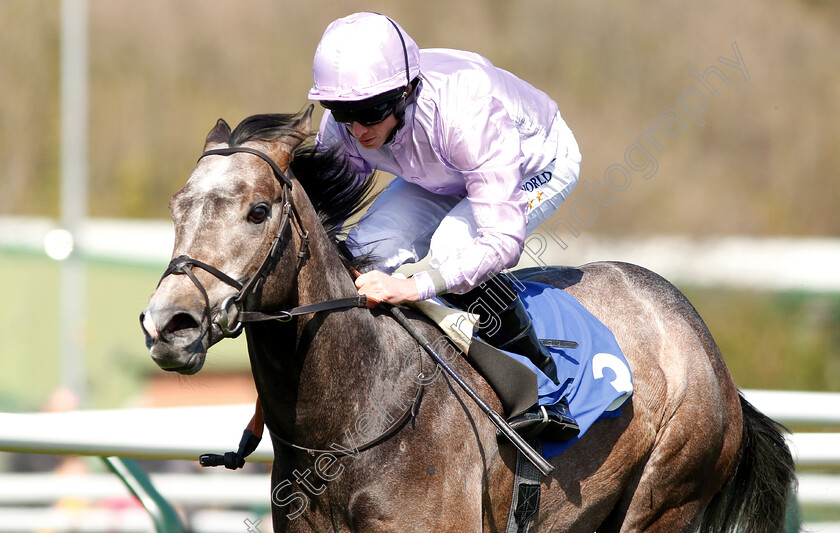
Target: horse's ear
{"points": [[304, 125], [220, 134], [284, 149]]}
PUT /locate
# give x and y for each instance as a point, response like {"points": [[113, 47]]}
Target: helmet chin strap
{"points": [[399, 111]]}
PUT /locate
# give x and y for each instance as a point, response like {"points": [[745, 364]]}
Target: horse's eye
{"points": [[258, 214]]}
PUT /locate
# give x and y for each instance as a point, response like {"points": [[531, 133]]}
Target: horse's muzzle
{"points": [[177, 340]]}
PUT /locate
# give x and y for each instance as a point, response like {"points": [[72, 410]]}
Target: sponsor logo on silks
{"points": [[537, 181]]}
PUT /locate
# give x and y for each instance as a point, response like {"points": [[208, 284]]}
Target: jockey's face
{"points": [[373, 137]]}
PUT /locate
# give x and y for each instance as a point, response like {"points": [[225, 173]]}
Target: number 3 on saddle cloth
{"points": [[594, 378]]}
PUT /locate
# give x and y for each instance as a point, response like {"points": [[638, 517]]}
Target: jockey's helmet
{"points": [[365, 61]]}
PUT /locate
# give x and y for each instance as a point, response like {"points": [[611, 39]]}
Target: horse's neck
{"points": [[320, 372], [322, 276]]}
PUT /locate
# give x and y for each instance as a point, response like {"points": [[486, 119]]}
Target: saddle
{"points": [[514, 383]]}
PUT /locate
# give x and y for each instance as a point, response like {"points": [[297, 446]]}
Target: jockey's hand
{"points": [[385, 288]]}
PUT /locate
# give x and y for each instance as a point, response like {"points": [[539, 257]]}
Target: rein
{"points": [[409, 412], [253, 433]]}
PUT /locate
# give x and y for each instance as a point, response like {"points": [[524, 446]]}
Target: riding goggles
{"points": [[366, 117], [368, 112]]}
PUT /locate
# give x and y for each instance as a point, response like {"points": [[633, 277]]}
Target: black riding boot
{"points": [[505, 324]]}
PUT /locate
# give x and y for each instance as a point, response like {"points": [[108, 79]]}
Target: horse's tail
{"points": [[757, 494]]}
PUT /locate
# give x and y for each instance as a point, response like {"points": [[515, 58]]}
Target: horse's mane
{"points": [[331, 183]]}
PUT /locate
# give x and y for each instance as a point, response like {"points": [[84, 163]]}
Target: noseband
{"points": [[289, 217]]}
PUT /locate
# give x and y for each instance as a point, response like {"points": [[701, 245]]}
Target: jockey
{"points": [[484, 158]]}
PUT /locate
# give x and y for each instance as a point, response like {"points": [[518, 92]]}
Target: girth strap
{"points": [[525, 501]]}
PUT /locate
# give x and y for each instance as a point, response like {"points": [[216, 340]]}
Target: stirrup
{"points": [[553, 422]]}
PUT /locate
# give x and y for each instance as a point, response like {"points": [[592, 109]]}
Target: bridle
{"points": [[289, 218]]}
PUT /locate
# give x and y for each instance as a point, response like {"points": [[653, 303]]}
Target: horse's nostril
{"points": [[181, 322]]}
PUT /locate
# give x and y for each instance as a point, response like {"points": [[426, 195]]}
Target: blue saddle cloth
{"points": [[594, 377]]}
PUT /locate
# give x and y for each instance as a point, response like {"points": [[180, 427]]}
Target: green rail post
{"points": [[793, 518], [163, 514]]}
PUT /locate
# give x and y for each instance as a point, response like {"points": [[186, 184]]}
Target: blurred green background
{"points": [[764, 163]]}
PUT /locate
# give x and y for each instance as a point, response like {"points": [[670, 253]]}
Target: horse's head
{"points": [[232, 221]]}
